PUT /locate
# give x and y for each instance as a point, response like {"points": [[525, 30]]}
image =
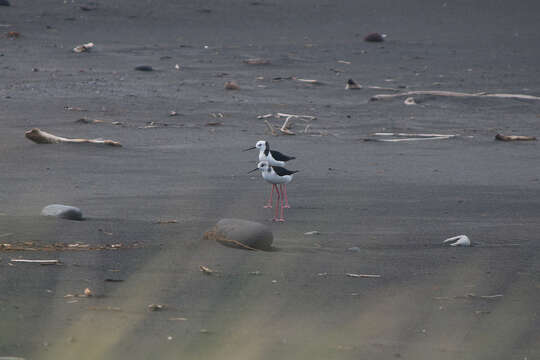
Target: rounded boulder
{"points": [[62, 211], [243, 234]]}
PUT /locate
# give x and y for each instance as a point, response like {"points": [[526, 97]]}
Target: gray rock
{"points": [[4, 3], [241, 234], [62, 211]]}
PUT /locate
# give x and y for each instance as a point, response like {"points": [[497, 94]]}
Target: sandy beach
{"points": [[378, 208]]}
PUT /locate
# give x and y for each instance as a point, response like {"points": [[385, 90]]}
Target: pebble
{"points": [[238, 232], [354, 249], [144, 68], [62, 211]]}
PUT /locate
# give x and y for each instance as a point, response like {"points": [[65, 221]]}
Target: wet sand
{"points": [[393, 203]]}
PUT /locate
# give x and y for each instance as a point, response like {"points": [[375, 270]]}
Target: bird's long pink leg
{"points": [[281, 219], [277, 204], [269, 203], [287, 206]]}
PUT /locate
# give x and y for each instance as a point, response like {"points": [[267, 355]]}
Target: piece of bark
{"points": [[502, 137]]}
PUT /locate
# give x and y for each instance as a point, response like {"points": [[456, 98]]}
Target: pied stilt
{"points": [[276, 175], [274, 158]]}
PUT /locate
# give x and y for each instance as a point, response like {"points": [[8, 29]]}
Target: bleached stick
{"points": [[284, 128], [270, 127], [44, 262], [414, 139], [454, 94], [42, 137], [411, 134]]}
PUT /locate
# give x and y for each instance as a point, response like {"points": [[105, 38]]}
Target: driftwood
{"points": [[362, 275], [514, 137], [411, 137], [42, 137], [285, 127], [41, 262], [454, 94], [270, 127]]}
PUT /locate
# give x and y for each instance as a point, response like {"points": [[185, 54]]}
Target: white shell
{"points": [[460, 240]]}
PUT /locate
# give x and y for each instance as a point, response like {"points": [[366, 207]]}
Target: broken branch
{"points": [[502, 137], [454, 94], [41, 137]]}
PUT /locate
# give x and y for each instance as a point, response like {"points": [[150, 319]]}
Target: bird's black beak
{"points": [[253, 170], [251, 148]]}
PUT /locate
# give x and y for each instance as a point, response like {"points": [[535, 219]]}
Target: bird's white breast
{"points": [[270, 159], [274, 178]]}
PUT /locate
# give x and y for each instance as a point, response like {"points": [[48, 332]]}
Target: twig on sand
{"points": [[41, 262], [42, 137], [502, 137], [206, 270], [411, 137], [420, 135], [454, 94], [270, 127], [285, 127], [310, 81], [303, 117], [362, 275]]}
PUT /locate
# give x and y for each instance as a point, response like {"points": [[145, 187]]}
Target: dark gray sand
{"points": [[393, 203]]}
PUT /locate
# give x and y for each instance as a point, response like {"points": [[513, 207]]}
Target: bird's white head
{"points": [[261, 145], [264, 166]]}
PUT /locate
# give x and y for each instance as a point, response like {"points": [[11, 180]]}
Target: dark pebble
{"points": [[144, 68], [374, 37]]}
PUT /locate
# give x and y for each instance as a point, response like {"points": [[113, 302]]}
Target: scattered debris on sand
{"points": [[41, 137], [32, 246], [83, 48], [460, 240], [73, 108], [156, 307], [162, 222], [409, 101], [374, 37], [454, 94], [231, 85], [206, 270], [502, 137], [257, 61]]}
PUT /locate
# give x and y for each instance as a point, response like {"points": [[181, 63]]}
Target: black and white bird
{"points": [[276, 175], [274, 158]]}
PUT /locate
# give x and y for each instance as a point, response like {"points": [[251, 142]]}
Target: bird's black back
{"points": [[282, 171], [280, 157]]}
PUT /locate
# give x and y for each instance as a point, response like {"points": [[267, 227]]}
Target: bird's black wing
{"points": [[282, 171], [281, 157]]}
